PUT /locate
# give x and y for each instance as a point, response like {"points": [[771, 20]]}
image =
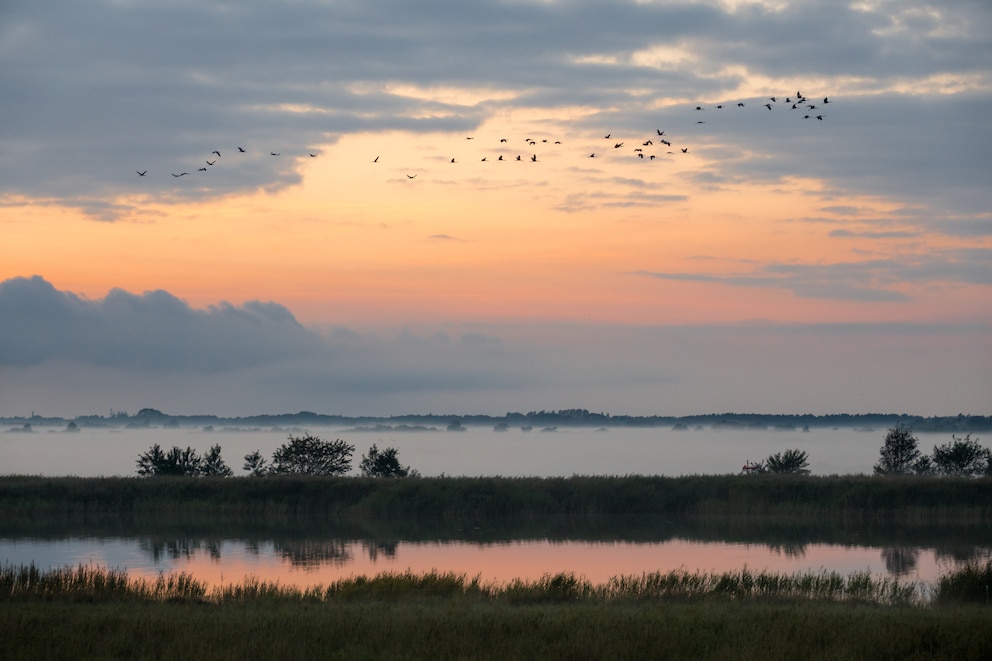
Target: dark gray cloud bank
{"points": [[96, 89], [61, 354]]}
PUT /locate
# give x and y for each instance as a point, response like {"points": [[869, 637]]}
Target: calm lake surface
{"points": [[474, 452], [312, 560], [321, 561]]}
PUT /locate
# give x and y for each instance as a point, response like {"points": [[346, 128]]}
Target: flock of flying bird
{"points": [[799, 102]]}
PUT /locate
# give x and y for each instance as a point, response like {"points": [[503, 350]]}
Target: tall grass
{"points": [[854, 499], [88, 583]]}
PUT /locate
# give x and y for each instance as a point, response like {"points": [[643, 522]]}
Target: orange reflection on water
{"points": [[325, 561]]}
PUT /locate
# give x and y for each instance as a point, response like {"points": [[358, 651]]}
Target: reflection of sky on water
{"points": [[312, 561]]}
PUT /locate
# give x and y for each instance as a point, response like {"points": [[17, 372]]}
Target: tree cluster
{"points": [[178, 461], [961, 457], [300, 455]]}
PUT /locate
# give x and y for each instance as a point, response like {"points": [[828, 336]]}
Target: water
{"points": [[306, 562], [475, 452]]}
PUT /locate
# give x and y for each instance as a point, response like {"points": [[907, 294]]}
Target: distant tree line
{"points": [[300, 455]]}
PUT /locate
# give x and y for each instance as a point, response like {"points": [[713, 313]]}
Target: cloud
{"points": [[153, 331], [869, 280], [94, 91], [61, 354]]}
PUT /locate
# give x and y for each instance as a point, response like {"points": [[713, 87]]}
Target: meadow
{"points": [[87, 613]]}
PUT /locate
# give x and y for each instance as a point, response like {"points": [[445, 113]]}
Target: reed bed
{"points": [[850, 499], [90, 613], [92, 584]]}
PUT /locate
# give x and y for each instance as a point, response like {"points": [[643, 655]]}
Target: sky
{"points": [[359, 256]]}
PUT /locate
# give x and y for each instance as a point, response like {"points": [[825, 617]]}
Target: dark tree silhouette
{"points": [[900, 454], [309, 455], [213, 464], [174, 462], [794, 462], [962, 457], [383, 464]]}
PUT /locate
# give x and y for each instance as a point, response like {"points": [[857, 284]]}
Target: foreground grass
{"points": [[89, 613]]}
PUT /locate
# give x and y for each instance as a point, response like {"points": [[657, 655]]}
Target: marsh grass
{"points": [[902, 500], [89, 583], [971, 583], [89, 613]]}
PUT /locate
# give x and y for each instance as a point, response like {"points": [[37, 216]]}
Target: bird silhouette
{"points": [[411, 176], [593, 155], [211, 162], [618, 145], [375, 160], [241, 149], [312, 155], [685, 150], [452, 160], [768, 105], [533, 159], [216, 152], [518, 157], [142, 174], [272, 153], [181, 174], [483, 159], [201, 169], [500, 157], [660, 132], [607, 136], [825, 100]]}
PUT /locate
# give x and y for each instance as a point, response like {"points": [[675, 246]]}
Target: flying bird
{"points": [[142, 174], [374, 160], [740, 105], [685, 150], [825, 100], [272, 153], [593, 155], [768, 105], [660, 132], [216, 152], [312, 155], [618, 145], [241, 149], [411, 176], [211, 162], [201, 169], [533, 159], [182, 174], [607, 136]]}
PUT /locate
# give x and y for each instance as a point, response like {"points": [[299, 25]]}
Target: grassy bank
{"points": [[861, 499], [90, 613]]}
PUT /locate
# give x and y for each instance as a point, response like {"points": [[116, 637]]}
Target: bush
{"points": [[794, 462], [962, 457], [309, 455], [181, 462], [900, 455], [383, 464]]}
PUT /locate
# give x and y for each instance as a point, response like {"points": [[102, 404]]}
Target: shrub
{"points": [[962, 457], [309, 455], [794, 462], [383, 464], [900, 454]]}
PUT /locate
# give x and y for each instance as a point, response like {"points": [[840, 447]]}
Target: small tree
{"points": [[383, 464], [174, 462], [309, 455], [900, 454], [962, 457], [213, 465], [255, 464], [794, 462]]}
